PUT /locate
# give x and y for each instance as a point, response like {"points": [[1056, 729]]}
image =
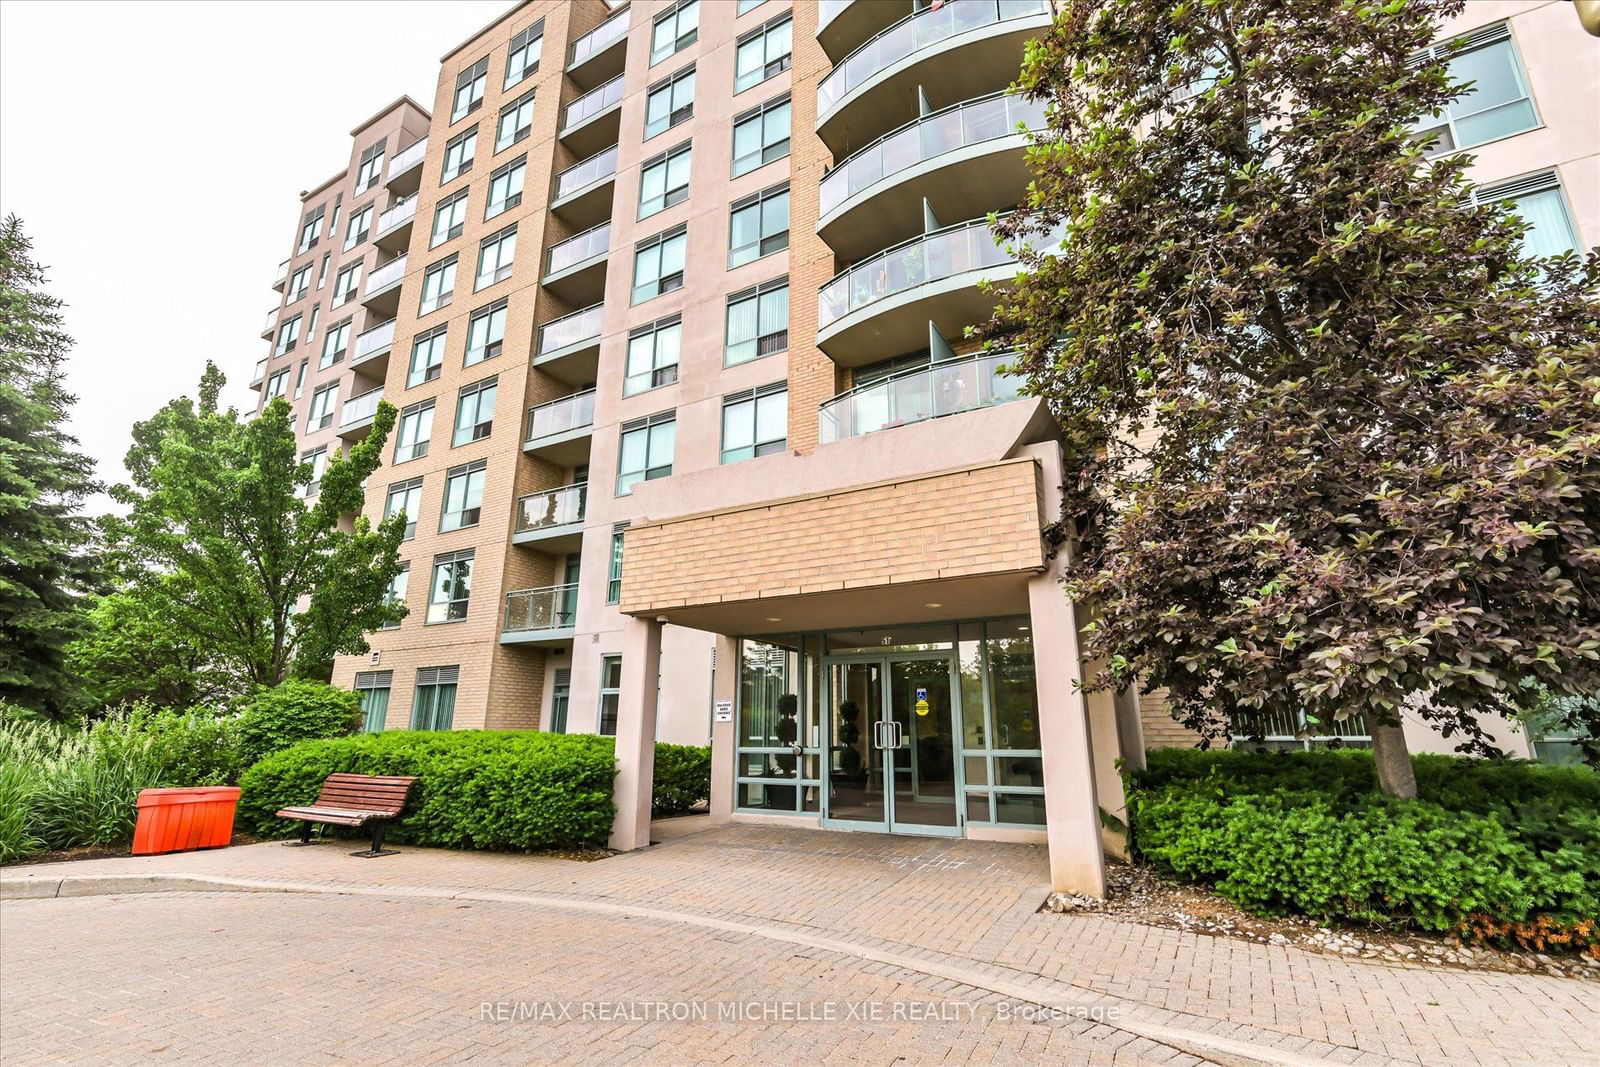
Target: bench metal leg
{"points": [[377, 848], [305, 837]]}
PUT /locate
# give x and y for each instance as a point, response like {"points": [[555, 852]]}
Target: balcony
{"points": [[260, 374], [405, 169], [969, 159], [932, 392], [552, 519], [965, 49], [283, 276], [883, 305], [382, 295], [393, 234], [569, 347], [843, 24], [591, 122], [371, 356], [575, 269], [271, 324], [544, 616], [355, 417], [583, 192], [560, 430], [598, 54]]}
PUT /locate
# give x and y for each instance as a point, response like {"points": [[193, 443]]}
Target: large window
{"points": [[755, 422], [397, 592], [427, 357], [288, 336], [779, 694], [1498, 103], [761, 135], [653, 355], [1003, 761], [311, 326], [646, 453], [413, 431], [758, 322], [463, 496], [762, 53], [323, 404], [486, 332], [664, 181], [610, 694], [658, 264], [438, 286], [405, 497], [299, 282], [495, 256], [614, 569], [474, 412], [669, 103], [318, 459], [358, 227], [759, 226], [451, 588], [370, 169], [470, 84], [458, 153], [674, 30], [505, 187], [523, 57], [310, 231], [449, 219], [276, 384], [1282, 730], [560, 695], [335, 343], [434, 706], [516, 122], [346, 284], [372, 689], [1537, 199]]}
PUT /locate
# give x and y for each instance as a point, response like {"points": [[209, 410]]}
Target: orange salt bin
{"points": [[176, 820]]}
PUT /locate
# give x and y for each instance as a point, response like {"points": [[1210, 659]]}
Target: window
{"points": [[311, 231], [335, 343], [610, 693], [438, 286], [288, 336], [397, 592], [760, 226], [311, 325], [299, 282], [560, 694], [322, 274], [505, 187], [414, 430], [346, 284], [300, 380], [475, 414], [646, 453], [761, 136], [614, 572], [486, 333], [653, 355], [758, 322], [658, 264], [1537, 200], [664, 181], [333, 219], [755, 422], [675, 29], [470, 84], [372, 689], [1496, 106], [463, 497], [318, 458], [458, 153], [669, 103], [405, 497], [747, 5], [371, 168], [356, 231], [449, 218], [762, 53], [427, 357], [277, 383], [516, 122], [323, 402], [494, 257], [523, 58], [434, 707]]}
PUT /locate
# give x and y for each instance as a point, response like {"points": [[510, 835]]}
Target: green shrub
{"points": [[475, 789], [682, 778], [292, 712], [196, 748]]}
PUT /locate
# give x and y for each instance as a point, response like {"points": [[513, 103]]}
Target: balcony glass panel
{"points": [[408, 157], [582, 175], [552, 607], [600, 38], [376, 339], [360, 407], [261, 371], [386, 275], [401, 213], [576, 249], [828, 10], [272, 321], [283, 273], [552, 507], [592, 103], [559, 416], [921, 393], [570, 329]]}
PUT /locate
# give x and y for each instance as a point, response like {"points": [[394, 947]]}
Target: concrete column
{"points": [[724, 735], [636, 732]]}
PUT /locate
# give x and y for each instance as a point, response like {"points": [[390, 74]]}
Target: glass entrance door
{"points": [[924, 753], [858, 758]]}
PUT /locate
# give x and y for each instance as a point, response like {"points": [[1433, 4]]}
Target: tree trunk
{"points": [[1389, 752]]}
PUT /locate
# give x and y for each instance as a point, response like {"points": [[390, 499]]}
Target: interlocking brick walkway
{"points": [[395, 959]]}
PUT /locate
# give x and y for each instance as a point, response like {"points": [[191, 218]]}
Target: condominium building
{"points": [[671, 297]]}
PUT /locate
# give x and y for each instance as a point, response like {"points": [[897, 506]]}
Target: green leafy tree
{"points": [[47, 550], [232, 556], [1334, 435], [130, 655]]}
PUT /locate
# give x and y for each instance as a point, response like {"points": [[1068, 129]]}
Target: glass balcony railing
{"points": [[928, 137], [570, 329], [914, 33], [552, 507], [592, 103], [600, 38], [388, 274], [602, 164], [399, 214], [272, 321], [408, 157], [927, 258], [916, 395], [360, 407], [376, 339], [559, 416], [283, 273], [261, 372], [577, 248], [553, 607]]}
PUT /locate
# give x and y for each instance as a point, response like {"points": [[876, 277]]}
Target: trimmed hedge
{"points": [[294, 711], [682, 779]]}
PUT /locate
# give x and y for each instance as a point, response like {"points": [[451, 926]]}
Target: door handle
{"points": [[899, 733], [877, 735]]}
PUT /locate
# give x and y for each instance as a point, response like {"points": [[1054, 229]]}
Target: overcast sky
{"points": [[154, 152]]}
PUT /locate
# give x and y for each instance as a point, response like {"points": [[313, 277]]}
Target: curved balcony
{"points": [[919, 394], [569, 347], [969, 159], [552, 519], [843, 24], [543, 616], [875, 87]]}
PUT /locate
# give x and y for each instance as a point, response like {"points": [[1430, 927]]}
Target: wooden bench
{"points": [[354, 800]]}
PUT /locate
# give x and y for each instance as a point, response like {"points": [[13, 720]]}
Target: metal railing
{"points": [[602, 164], [592, 103], [919, 394], [595, 241], [551, 607], [376, 339], [552, 507], [967, 123], [570, 329], [400, 213], [926, 258], [559, 416], [600, 38], [914, 33], [360, 407], [408, 157], [388, 274], [1283, 728]]}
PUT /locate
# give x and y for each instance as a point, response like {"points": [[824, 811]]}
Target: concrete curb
{"points": [[1227, 1051]]}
